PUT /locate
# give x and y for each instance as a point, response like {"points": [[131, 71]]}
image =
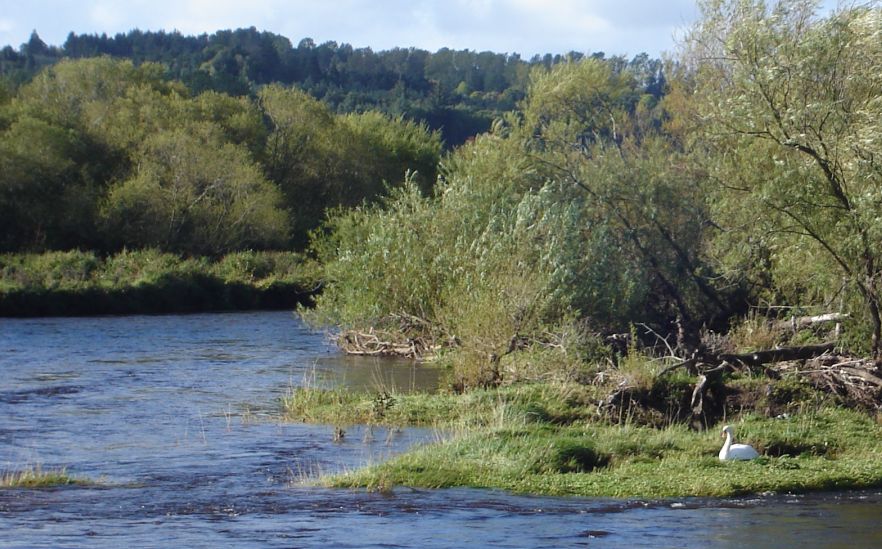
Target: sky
{"points": [[527, 27]]}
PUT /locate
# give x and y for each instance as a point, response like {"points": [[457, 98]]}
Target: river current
{"points": [[176, 418]]}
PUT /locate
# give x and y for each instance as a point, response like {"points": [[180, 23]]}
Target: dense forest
{"points": [[266, 137], [102, 154], [458, 92]]}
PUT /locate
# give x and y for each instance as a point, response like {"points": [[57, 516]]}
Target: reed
{"points": [[37, 477]]}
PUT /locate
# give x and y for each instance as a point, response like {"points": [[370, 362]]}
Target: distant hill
{"points": [[458, 92]]}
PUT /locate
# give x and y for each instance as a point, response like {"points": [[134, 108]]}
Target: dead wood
{"points": [[857, 382], [759, 358], [382, 343], [797, 322]]}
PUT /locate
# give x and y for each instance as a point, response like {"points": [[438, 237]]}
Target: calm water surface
{"points": [[177, 416]]}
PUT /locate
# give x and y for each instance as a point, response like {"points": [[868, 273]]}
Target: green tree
{"points": [[321, 161], [590, 130], [193, 193], [43, 202], [790, 105]]}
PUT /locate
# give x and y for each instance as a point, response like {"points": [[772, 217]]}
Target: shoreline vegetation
{"points": [[556, 438], [148, 282]]}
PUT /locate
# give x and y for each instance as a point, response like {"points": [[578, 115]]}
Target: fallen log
{"points": [[729, 361], [758, 358], [797, 322]]}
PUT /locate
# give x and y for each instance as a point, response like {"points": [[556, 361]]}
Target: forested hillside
{"points": [[237, 140], [456, 92]]}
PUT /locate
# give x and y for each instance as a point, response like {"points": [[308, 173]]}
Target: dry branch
{"points": [[797, 322], [759, 358]]}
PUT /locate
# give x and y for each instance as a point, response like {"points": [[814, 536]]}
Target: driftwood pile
{"points": [[384, 343], [855, 381], [404, 337]]}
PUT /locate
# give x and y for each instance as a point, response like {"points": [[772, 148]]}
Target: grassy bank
{"points": [[81, 283], [549, 438], [37, 477]]}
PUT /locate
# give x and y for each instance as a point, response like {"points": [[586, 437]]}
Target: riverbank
{"points": [[551, 439], [79, 283]]}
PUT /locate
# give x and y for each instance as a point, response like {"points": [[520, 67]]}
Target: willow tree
{"points": [[593, 130], [791, 105], [192, 192]]}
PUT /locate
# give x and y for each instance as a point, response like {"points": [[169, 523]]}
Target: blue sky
{"points": [[616, 27]]}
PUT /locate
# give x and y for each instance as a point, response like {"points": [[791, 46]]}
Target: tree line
{"points": [[103, 154], [459, 92]]}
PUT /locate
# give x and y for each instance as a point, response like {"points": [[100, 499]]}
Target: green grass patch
{"points": [[543, 403], [37, 477], [549, 439]]}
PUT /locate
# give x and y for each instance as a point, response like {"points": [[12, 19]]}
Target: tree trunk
{"points": [[877, 328]]}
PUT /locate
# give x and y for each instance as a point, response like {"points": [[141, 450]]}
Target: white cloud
{"points": [[523, 26], [208, 16], [108, 15], [8, 33]]}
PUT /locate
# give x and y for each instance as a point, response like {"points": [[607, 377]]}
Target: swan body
{"points": [[735, 451]]}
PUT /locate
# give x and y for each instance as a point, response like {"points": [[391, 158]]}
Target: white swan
{"points": [[735, 451]]}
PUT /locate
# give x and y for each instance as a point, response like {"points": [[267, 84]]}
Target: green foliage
{"points": [[458, 93], [321, 160], [104, 154], [486, 261], [194, 193], [790, 109], [389, 143], [39, 194], [151, 281], [572, 215]]}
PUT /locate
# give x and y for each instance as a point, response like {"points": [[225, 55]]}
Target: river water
{"points": [[177, 418]]}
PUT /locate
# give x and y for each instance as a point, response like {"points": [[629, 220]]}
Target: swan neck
{"points": [[728, 443]]}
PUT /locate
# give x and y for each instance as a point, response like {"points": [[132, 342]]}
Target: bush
{"points": [[150, 281]]}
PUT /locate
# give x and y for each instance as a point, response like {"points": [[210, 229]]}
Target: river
{"points": [[176, 417]]}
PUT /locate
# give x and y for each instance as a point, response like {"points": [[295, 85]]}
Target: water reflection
{"points": [[375, 374]]}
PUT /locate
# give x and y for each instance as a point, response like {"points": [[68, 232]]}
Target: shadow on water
{"points": [[375, 374], [178, 418]]}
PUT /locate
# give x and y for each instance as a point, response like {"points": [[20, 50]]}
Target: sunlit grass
{"points": [[37, 477], [78, 282], [549, 439]]}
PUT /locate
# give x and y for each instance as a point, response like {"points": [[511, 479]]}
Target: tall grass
{"points": [[36, 477], [150, 281]]}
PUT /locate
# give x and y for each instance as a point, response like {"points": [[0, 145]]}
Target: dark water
{"points": [[177, 416]]}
